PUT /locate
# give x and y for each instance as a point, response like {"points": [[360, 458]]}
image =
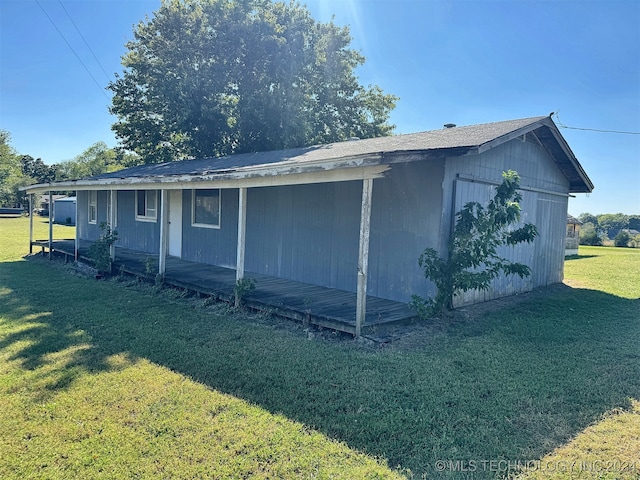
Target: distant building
{"points": [[64, 210], [573, 236]]}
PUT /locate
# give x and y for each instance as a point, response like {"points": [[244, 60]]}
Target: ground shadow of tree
{"points": [[509, 384]]}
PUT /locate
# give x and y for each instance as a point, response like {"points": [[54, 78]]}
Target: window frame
{"points": [[193, 208], [92, 207], [147, 217]]}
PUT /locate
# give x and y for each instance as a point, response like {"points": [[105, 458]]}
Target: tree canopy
{"points": [[206, 78], [96, 159], [11, 175]]}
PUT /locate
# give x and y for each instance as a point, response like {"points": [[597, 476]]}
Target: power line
{"points": [[561, 125], [85, 41], [74, 52]]}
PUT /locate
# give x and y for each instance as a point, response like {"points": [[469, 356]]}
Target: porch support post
{"points": [[50, 223], [242, 227], [31, 223], [112, 247], [164, 222], [76, 246], [363, 253]]}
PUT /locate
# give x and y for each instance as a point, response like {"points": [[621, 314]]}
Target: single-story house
{"points": [[573, 236], [64, 210], [351, 216]]}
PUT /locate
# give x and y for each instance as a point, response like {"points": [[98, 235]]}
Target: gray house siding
{"points": [[405, 219], [134, 234], [86, 230], [307, 233], [214, 246]]}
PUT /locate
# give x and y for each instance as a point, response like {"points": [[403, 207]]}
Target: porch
{"points": [[314, 304]]}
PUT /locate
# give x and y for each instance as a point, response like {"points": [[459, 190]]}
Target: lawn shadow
{"points": [[579, 257], [510, 383]]}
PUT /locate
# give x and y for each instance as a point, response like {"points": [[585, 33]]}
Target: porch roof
{"points": [[350, 160]]}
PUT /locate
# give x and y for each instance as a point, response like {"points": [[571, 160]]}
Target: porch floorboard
{"points": [[315, 304]]}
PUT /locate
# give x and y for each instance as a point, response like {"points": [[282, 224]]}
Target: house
{"points": [[352, 216], [573, 236], [64, 210]]}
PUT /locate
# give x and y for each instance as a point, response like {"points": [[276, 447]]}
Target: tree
{"points": [[11, 175], [473, 260], [622, 239], [206, 78], [37, 169], [589, 235], [611, 223], [96, 159], [588, 218]]}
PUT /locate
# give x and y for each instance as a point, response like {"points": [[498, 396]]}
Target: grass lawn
{"points": [[109, 379]]}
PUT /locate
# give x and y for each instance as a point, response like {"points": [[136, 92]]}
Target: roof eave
{"points": [[283, 173]]}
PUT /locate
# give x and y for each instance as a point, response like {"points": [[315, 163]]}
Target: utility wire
{"points": [[74, 52], [561, 125], [85, 41]]}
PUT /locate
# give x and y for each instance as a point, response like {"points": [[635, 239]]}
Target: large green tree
{"points": [[213, 77]]}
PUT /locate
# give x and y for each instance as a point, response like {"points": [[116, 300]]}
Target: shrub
{"points": [[100, 250], [472, 261], [622, 239]]}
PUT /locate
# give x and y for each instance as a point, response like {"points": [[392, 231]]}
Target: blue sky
{"points": [[448, 61]]}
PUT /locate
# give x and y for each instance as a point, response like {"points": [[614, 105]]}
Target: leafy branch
{"points": [[473, 262]]}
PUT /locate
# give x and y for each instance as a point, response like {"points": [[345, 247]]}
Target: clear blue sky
{"points": [[448, 61]]}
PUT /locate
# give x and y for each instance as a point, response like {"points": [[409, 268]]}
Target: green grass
{"points": [[112, 380]]}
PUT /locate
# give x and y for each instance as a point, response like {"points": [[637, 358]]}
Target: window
{"points": [[93, 206], [146, 205], [206, 208]]}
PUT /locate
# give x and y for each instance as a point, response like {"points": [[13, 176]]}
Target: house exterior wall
{"points": [[86, 230], [132, 234], [405, 219], [215, 246], [310, 233], [307, 233], [547, 211]]}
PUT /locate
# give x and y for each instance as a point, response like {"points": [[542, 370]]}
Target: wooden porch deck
{"points": [[318, 305]]}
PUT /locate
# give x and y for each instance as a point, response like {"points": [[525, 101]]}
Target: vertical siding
{"points": [[405, 219], [132, 233], [214, 246], [551, 220], [307, 233], [86, 230]]}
